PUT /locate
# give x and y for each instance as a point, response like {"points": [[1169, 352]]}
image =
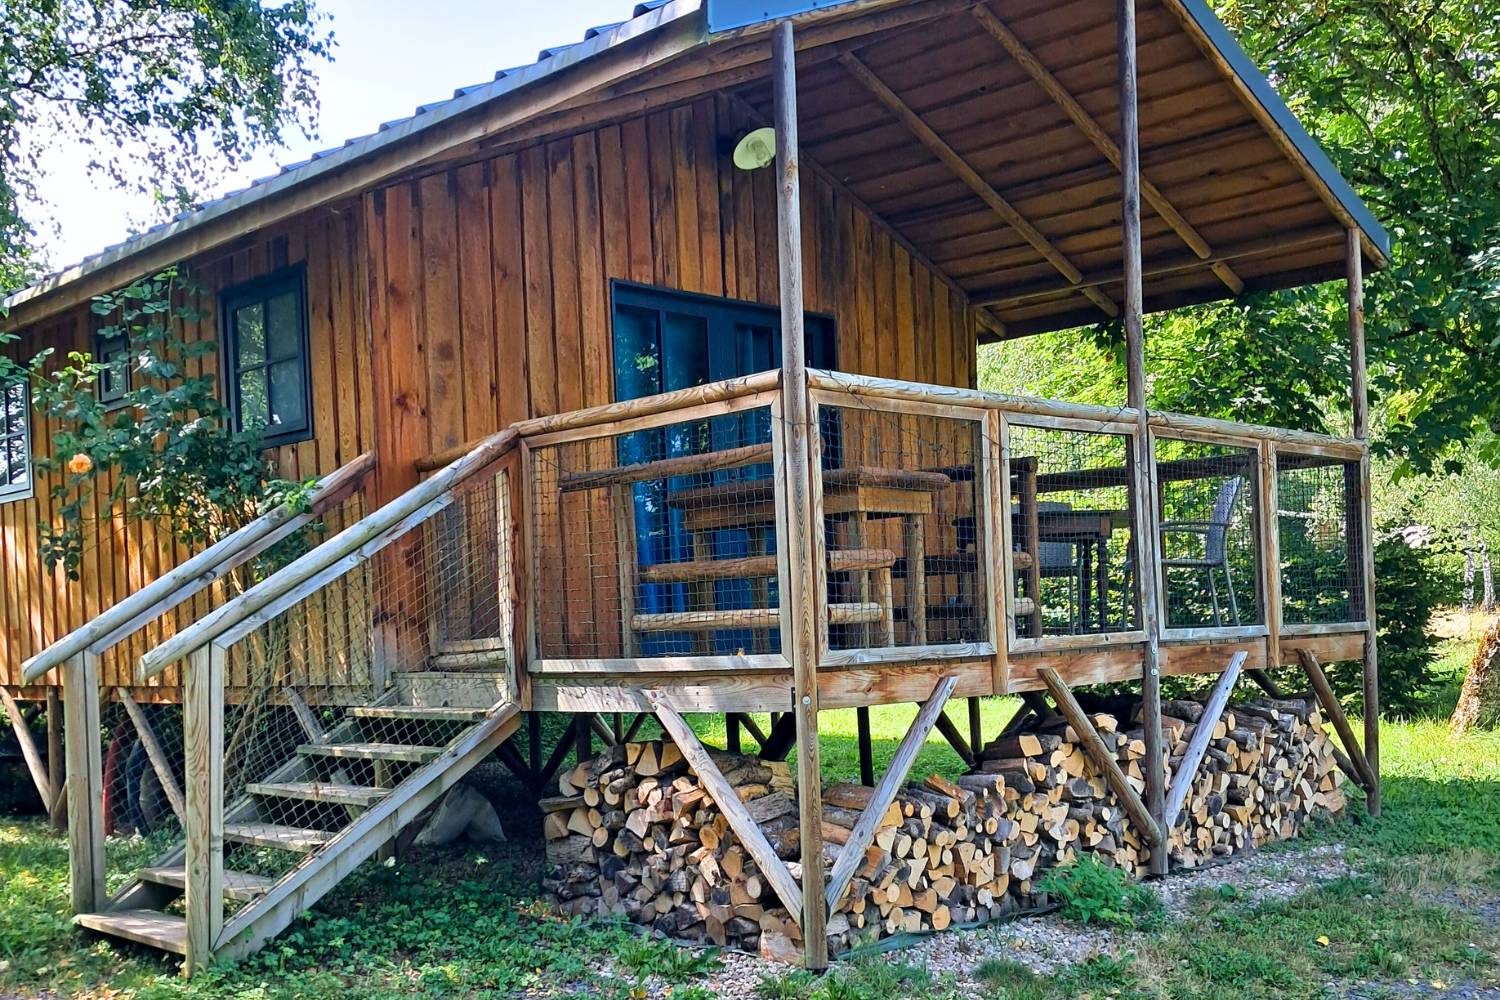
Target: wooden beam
{"points": [[159, 762], [85, 782], [740, 821], [1103, 759], [29, 751], [1203, 734], [1335, 713], [1146, 531], [305, 717], [203, 734], [1360, 404], [1102, 142], [796, 524], [57, 773], [853, 851], [955, 739], [951, 158]]}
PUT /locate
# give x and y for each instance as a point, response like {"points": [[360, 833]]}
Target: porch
{"points": [[955, 532]]}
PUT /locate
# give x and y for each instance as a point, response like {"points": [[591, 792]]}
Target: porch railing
{"points": [[952, 525]]}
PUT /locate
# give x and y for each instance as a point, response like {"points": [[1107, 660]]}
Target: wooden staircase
{"points": [[412, 758]]}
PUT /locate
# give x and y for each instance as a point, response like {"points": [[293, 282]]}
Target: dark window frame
{"points": [[112, 396], [262, 290], [11, 492]]}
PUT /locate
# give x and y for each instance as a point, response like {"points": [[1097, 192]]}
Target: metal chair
{"points": [[1215, 535]]}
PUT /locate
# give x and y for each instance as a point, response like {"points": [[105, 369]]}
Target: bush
{"points": [[1091, 892]]}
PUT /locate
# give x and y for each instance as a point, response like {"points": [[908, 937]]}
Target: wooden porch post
{"points": [[57, 774], [801, 644], [1141, 458], [85, 782], [1360, 402]]}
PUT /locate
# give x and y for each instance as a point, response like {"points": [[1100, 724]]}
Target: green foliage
{"points": [[159, 90], [645, 956], [167, 453], [1091, 892]]}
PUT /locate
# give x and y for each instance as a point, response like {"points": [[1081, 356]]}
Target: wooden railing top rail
{"points": [[182, 582], [722, 391], [884, 388], [357, 542]]}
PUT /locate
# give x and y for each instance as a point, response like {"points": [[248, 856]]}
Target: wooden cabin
{"points": [[608, 422]]}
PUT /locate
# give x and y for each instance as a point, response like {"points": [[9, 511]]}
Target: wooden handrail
{"points": [[386, 523], [182, 582], [884, 388], [712, 392]]}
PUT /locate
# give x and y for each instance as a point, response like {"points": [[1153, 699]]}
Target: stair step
{"points": [[372, 751], [148, 927], [300, 840], [237, 885], [423, 713], [320, 791], [712, 621]]}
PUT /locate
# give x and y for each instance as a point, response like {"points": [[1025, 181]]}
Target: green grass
{"points": [[467, 924]]}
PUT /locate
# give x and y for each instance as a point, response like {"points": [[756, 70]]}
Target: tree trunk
{"points": [[1487, 605], [1469, 580], [1479, 701]]}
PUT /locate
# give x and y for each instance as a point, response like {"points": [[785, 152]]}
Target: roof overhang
{"points": [[1233, 167]]}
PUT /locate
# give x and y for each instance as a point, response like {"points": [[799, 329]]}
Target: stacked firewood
{"points": [[635, 834]]}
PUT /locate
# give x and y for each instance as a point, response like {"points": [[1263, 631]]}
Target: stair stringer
{"points": [[256, 923]]}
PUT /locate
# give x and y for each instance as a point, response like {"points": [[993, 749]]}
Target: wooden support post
{"points": [[1335, 713], [635, 726], [1103, 759], [1203, 734], [1263, 681], [583, 736], [203, 734], [740, 821], [85, 782], [866, 747], [57, 772], [731, 732], [158, 757], [796, 530], [853, 851], [1269, 503], [29, 751], [1360, 401], [534, 748], [976, 727], [1145, 533]]}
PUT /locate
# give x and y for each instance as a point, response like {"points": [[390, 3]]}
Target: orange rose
{"points": [[80, 464]]}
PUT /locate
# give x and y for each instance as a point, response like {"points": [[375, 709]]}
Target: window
{"points": [[113, 351], [15, 441], [268, 375]]}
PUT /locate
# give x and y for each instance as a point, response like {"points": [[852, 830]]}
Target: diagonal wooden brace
{"points": [[1335, 713], [159, 762], [728, 801], [29, 750], [1182, 781], [853, 850], [1105, 761]]}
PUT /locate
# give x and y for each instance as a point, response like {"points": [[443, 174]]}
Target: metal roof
{"points": [[648, 16]]}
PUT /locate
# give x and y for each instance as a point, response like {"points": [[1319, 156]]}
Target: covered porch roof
{"points": [[982, 133]]}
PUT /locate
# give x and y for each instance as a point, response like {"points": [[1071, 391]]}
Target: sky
{"points": [[391, 56]]}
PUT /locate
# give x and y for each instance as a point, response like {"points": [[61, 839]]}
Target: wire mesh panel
{"points": [[1071, 527], [1318, 520], [657, 543], [142, 789], [903, 528], [1210, 534]]}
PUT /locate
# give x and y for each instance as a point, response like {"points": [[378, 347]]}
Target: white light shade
{"points": [[756, 150]]}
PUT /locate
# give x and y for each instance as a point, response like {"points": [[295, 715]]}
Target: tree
{"points": [[1479, 701], [156, 94]]}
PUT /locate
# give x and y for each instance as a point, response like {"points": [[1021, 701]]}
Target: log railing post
{"points": [[800, 643], [57, 773], [1360, 404], [203, 736], [85, 767], [1142, 454]]}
